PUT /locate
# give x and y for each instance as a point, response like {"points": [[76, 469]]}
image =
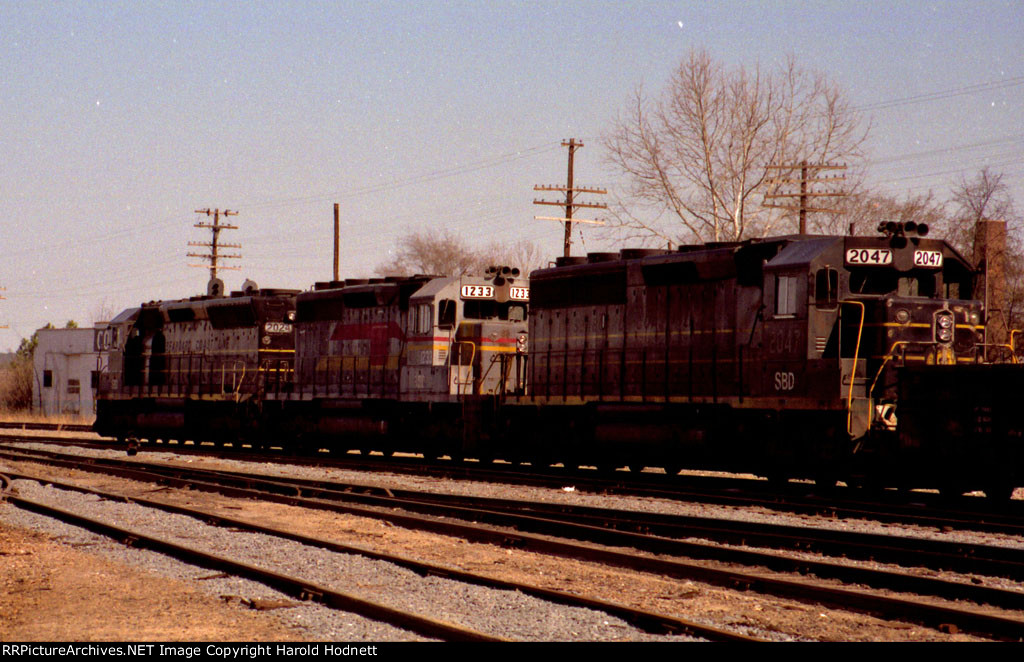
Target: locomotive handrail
{"points": [[890, 355], [241, 380], [1013, 343], [1010, 346], [856, 354], [496, 358], [472, 357]]}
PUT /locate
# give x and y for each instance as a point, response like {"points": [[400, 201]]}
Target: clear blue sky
{"points": [[119, 119]]}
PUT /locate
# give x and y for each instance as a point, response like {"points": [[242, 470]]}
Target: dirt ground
{"points": [[50, 591]]}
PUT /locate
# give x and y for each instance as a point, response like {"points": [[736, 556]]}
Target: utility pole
{"points": [[214, 245], [808, 175], [2, 297], [570, 203], [336, 232]]}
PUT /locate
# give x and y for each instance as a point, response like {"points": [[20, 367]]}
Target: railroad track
{"points": [[573, 533], [917, 508], [288, 584], [645, 620]]}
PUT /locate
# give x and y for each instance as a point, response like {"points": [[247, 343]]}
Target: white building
{"points": [[66, 372]]}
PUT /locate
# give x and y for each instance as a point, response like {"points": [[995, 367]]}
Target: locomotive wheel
{"points": [[999, 492], [825, 481], [953, 491]]}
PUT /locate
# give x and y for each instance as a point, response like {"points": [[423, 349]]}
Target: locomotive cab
{"points": [[870, 304], [468, 336]]}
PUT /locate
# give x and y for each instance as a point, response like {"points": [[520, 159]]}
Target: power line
{"points": [[944, 94], [422, 178]]}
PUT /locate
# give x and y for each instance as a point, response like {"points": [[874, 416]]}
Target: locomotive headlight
{"points": [[521, 343], [944, 326], [902, 316], [975, 318]]}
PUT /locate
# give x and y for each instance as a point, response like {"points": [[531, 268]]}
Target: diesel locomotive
{"points": [[821, 357], [825, 357], [196, 368]]}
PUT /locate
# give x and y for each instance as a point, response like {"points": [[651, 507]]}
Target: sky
{"points": [[118, 120]]}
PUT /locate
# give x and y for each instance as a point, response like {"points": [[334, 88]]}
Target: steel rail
{"points": [[902, 550], [929, 510], [290, 585], [649, 621], [931, 615]]}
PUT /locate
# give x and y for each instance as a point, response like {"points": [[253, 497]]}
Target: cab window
{"points": [[482, 309], [826, 289], [785, 295], [446, 314], [423, 318]]}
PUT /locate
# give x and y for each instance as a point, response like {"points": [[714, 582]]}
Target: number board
{"points": [[278, 327], [869, 256], [519, 293], [928, 259], [477, 291]]}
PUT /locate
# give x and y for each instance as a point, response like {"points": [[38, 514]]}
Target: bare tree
{"points": [[428, 252], [445, 254], [983, 197], [524, 254], [698, 156], [987, 197], [863, 211]]}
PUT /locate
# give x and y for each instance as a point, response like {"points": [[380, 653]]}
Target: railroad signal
{"points": [[570, 203]]}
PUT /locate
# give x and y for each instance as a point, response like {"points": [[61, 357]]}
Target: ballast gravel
{"points": [[567, 495], [506, 614]]}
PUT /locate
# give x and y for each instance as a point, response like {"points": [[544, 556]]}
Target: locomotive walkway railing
{"points": [[853, 373]]}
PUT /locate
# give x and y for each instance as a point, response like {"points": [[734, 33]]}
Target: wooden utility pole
{"points": [[336, 233], [570, 203], [214, 245], [808, 175], [990, 259]]}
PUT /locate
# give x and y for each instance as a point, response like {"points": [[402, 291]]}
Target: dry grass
{"points": [[16, 386], [25, 416]]}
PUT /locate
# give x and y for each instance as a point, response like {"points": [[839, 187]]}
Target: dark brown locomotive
{"points": [[789, 356], [197, 368]]}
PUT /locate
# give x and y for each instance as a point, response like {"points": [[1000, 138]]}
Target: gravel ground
{"points": [[774, 613], [566, 494], [505, 614]]}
